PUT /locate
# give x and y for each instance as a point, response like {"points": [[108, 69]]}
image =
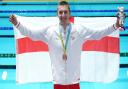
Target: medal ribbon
{"points": [[64, 46]]}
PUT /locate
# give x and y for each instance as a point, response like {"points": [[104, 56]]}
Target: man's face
{"points": [[63, 14]]}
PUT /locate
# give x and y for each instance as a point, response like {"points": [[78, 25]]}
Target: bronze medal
{"points": [[64, 44], [64, 56]]}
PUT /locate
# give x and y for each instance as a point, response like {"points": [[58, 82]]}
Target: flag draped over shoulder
{"points": [[99, 59]]}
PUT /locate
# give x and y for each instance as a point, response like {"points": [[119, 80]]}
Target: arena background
{"points": [[84, 8]]}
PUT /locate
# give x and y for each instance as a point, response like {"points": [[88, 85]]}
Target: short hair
{"points": [[64, 3]]}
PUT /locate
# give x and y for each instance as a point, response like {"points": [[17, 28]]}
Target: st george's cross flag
{"points": [[99, 58]]}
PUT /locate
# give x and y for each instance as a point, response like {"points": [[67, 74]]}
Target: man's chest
{"points": [[57, 40]]}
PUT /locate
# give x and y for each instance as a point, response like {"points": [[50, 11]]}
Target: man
{"points": [[65, 41]]}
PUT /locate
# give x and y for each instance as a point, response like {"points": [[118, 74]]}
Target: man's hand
{"points": [[13, 19]]}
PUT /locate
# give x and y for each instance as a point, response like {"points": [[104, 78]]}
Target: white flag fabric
{"points": [[99, 59]]}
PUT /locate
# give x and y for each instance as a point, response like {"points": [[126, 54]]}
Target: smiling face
{"points": [[63, 14]]}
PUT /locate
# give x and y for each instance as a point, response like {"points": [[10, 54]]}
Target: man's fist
{"points": [[13, 19]]}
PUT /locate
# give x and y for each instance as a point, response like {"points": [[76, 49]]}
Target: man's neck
{"points": [[65, 25]]}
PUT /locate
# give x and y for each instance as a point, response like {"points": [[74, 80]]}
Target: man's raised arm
{"points": [[36, 34]]}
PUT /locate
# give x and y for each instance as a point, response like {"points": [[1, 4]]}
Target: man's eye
{"points": [[65, 12], [60, 12]]}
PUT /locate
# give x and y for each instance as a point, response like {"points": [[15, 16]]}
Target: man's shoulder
{"points": [[77, 25], [52, 28]]}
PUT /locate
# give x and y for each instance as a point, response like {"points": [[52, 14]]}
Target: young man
{"points": [[65, 53]]}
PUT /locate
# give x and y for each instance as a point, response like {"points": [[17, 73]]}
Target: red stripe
{"points": [[107, 44], [27, 45]]}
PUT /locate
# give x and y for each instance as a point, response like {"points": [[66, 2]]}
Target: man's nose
{"points": [[63, 14]]}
